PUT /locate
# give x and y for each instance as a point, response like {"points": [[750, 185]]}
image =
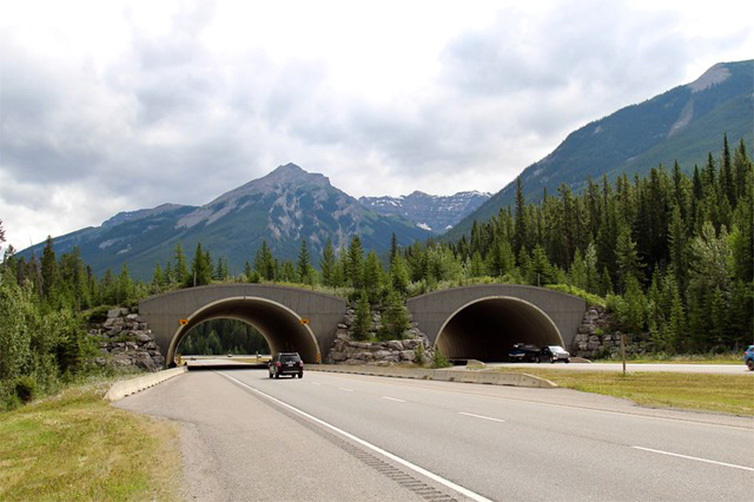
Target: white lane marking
{"points": [[393, 399], [695, 458], [315, 383], [346, 390], [424, 472], [482, 417]]}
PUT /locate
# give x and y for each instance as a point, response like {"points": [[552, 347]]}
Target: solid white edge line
{"points": [[393, 399], [695, 458], [344, 389], [315, 383], [424, 472], [482, 417]]}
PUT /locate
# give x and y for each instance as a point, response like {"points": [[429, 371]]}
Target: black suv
{"points": [[286, 363]]}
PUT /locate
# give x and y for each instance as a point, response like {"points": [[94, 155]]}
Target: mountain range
{"points": [[289, 204], [684, 124], [435, 213], [283, 207]]}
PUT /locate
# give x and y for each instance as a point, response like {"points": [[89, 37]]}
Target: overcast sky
{"points": [[111, 106]]}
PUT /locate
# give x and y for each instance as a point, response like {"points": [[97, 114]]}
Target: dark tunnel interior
{"points": [[487, 330], [281, 328]]}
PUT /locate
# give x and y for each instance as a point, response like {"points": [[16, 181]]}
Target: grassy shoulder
{"points": [[75, 446], [728, 358], [731, 394]]}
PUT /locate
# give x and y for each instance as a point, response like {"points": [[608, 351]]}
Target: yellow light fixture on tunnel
{"points": [[183, 322], [305, 321]]}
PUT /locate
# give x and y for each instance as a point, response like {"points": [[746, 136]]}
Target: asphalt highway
{"points": [[351, 437]]}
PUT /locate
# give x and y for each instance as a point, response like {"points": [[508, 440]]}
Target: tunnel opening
{"points": [[282, 329], [487, 329], [221, 337]]}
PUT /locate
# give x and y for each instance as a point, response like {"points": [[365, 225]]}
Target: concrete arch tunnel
{"points": [[484, 322], [290, 319], [486, 329], [281, 327], [474, 322]]}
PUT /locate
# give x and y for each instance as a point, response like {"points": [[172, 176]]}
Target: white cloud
{"points": [[123, 105]]}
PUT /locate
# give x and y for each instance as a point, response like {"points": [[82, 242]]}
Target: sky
{"points": [[123, 105]]}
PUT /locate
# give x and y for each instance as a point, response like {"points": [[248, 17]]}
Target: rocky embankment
{"points": [[126, 341], [414, 347]]}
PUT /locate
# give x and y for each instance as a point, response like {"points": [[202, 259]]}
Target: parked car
{"points": [[524, 353], [749, 358], [286, 363], [554, 353]]}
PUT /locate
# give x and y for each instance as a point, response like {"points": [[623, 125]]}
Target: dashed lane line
{"points": [[393, 399], [491, 419]]}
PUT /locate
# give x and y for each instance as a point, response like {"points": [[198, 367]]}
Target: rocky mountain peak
{"points": [[718, 74]]}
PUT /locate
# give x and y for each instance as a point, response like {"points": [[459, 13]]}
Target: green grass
{"points": [[77, 447], [726, 358], [731, 394]]}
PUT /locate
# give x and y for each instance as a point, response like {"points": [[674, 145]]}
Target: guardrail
{"points": [[445, 375], [119, 390]]}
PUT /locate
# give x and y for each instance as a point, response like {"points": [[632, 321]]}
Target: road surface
{"points": [[350, 437]]}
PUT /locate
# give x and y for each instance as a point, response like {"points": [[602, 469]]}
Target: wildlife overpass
{"points": [[474, 322]]}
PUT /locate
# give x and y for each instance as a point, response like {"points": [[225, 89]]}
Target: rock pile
{"points": [[594, 338], [346, 350], [126, 341]]}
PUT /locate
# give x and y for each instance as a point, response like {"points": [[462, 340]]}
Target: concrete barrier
{"points": [[445, 375], [119, 390]]}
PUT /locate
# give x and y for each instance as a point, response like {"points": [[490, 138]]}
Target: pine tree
{"points": [[355, 263], [125, 286], [327, 264], [373, 277], [363, 319], [180, 272], [520, 235], [629, 265], [399, 279], [49, 271], [394, 318], [158, 279], [201, 270], [264, 263], [393, 247], [304, 266]]}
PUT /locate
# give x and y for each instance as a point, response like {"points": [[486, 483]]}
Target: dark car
{"points": [[553, 353], [286, 363], [523, 352], [749, 357]]}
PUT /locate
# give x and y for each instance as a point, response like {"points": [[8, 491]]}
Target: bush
{"points": [[419, 355], [590, 298], [25, 388], [439, 360]]}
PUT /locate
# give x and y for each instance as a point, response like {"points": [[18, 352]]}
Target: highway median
{"points": [[444, 375]]}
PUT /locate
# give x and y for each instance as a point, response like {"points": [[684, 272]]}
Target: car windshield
{"points": [[289, 357], [556, 348]]}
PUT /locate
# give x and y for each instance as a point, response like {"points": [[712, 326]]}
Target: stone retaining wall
{"points": [[346, 350], [126, 341]]}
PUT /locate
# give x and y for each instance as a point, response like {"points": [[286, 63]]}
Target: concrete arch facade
{"points": [[484, 321], [289, 318]]}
